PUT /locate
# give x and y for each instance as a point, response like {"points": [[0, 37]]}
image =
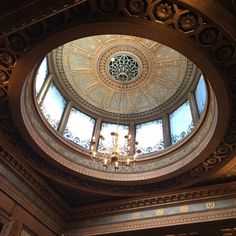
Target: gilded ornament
{"points": [[187, 22], [3, 77], [7, 59], [231, 70], [136, 215], [159, 212], [164, 12], [210, 205], [123, 68], [223, 150], [211, 161], [183, 208]]}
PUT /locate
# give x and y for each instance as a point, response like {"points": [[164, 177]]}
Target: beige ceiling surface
{"points": [[85, 63]]}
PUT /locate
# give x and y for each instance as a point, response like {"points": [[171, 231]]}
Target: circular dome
{"points": [[96, 90], [186, 157], [91, 70]]}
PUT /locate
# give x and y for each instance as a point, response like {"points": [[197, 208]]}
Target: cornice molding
{"points": [[155, 223], [161, 200]]}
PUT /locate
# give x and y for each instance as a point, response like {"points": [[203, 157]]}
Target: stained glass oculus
{"points": [[150, 136]]}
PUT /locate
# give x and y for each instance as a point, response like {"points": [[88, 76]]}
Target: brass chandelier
{"points": [[116, 155]]}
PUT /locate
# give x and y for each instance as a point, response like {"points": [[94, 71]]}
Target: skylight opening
{"points": [[79, 128], [149, 136], [153, 135], [181, 122]]}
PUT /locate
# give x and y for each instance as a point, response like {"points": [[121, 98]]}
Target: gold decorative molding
{"points": [[183, 208], [159, 212], [154, 223], [138, 204]]}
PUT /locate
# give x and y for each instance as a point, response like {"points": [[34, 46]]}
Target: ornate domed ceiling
{"points": [[98, 70], [87, 85], [94, 91]]}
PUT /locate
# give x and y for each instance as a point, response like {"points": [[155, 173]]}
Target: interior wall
{"points": [[15, 220]]}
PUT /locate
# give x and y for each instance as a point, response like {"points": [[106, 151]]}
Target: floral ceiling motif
{"points": [[84, 71]]}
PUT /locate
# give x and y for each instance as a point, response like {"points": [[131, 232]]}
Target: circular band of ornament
{"points": [[132, 54]]}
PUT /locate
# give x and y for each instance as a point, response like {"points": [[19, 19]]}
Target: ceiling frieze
{"points": [[158, 201]]}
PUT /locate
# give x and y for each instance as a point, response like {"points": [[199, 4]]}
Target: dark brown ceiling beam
{"points": [[27, 12]]}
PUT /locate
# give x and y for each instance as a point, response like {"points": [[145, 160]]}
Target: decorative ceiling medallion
{"points": [[123, 68], [158, 79], [141, 65]]}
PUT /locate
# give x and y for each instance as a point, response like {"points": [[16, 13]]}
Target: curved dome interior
{"points": [[71, 71], [105, 83]]}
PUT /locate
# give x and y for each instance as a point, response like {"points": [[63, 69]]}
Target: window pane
{"points": [[53, 106], [200, 94], [150, 136], [41, 75], [106, 130], [181, 122], [79, 128]]}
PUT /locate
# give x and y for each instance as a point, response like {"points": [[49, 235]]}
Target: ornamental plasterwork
{"points": [[166, 163], [83, 71]]}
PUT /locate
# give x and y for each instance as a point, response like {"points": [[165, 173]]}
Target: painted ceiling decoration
{"points": [[84, 68]]}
